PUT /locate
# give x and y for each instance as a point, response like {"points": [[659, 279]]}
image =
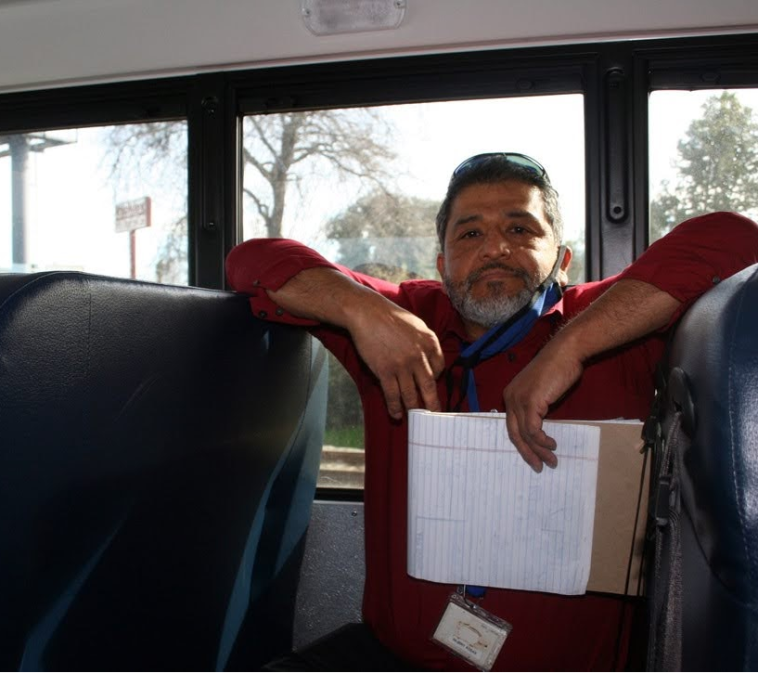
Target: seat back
{"points": [[713, 383], [159, 449]]}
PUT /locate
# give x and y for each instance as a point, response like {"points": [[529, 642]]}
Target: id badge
{"points": [[470, 632]]}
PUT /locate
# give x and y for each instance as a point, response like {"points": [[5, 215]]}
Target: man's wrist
{"points": [[572, 343], [361, 307]]}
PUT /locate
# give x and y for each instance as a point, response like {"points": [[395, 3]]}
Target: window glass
{"points": [[107, 200], [363, 185], [703, 155]]}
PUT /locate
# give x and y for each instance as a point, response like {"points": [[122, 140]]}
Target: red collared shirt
{"points": [[551, 632]]}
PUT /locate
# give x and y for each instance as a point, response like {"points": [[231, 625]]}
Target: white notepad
{"points": [[478, 514]]}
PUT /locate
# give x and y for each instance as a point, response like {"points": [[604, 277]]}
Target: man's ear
{"points": [[441, 264], [563, 272]]}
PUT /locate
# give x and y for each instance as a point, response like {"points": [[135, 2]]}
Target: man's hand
{"points": [[528, 398], [397, 346], [401, 351], [628, 310]]}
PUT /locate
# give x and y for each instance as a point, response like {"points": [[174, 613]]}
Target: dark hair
{"points": [[493, 170]]}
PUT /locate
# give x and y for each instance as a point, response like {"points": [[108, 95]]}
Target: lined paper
{"points": [[478, 514]]}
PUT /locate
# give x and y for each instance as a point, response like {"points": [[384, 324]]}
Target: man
{"points": [[495, 333]]}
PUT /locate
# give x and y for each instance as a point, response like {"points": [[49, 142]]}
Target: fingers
{"points": [[428, 388], [529, 397], [427, 373], [392, 397], [404, 354], [401, 390], [524, 422], [531, 441]]}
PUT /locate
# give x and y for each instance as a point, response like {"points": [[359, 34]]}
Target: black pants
{"points": [[350, 648]]}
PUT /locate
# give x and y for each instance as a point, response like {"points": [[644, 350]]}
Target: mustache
{"points": [[515, 272]]}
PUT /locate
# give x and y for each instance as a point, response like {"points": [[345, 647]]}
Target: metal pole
{"points": [[19, 151], [133, 252]]}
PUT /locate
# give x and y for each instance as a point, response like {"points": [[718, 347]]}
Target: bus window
{"points": [[363, 185], [109, 200], [703, 155]]}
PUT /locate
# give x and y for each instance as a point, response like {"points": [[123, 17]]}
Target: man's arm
{"points": [[630, 309], [649, 295], [397, 346]]}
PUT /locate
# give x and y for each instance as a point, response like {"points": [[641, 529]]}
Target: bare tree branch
{"points": [[279, 152], [352, 143]]}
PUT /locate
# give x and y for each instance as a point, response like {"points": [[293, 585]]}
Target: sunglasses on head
{"points": [[511, 157]]}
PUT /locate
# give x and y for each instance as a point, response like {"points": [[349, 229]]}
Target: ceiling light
{"points": [[329, 17]]}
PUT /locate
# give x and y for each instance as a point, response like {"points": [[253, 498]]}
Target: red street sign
{"points": [[131, 215]]}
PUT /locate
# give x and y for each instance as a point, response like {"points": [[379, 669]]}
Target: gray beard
{"points": [[493, 309]]}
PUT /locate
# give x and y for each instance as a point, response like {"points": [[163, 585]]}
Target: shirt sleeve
{"points": [[696, 255], [264, 264]]}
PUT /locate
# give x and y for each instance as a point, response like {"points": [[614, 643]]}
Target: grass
{"points": [[349, 436]]}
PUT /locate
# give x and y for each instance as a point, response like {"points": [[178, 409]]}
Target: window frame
{"points": [[615, 78]]}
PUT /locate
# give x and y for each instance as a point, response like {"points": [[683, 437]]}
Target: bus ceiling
{"points": [[47, 43]]}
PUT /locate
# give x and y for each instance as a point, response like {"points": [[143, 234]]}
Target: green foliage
{"points": [[717, 166], [388, 236], [344, 405], [350, 437]]}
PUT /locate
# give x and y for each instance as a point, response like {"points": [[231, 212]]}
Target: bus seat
{"points": [[713, 384], [159, 449]]}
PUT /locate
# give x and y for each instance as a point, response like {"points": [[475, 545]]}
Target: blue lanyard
{"points": [[502, 337], [496, 340]]}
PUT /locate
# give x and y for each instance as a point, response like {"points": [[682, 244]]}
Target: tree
{"points": [[576, 272], [173, 256], [278, 151], [155, 153], [717, 166], [387, 235]]}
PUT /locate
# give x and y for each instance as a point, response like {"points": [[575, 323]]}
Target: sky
{"points": [[72, 198]]}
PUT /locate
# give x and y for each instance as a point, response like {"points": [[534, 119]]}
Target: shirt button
{"points": [[511, 356], [280, 311], [262, 314], [716, 280], [256, 283]]}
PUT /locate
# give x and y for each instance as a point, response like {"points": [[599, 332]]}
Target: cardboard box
{"points": [[620, 508]]}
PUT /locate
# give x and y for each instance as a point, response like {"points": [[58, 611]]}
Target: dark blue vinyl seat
{"points": [[159, 449], [713, 383]]}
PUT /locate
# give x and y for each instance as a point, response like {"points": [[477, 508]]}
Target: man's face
{"points": [[499, 247]]}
